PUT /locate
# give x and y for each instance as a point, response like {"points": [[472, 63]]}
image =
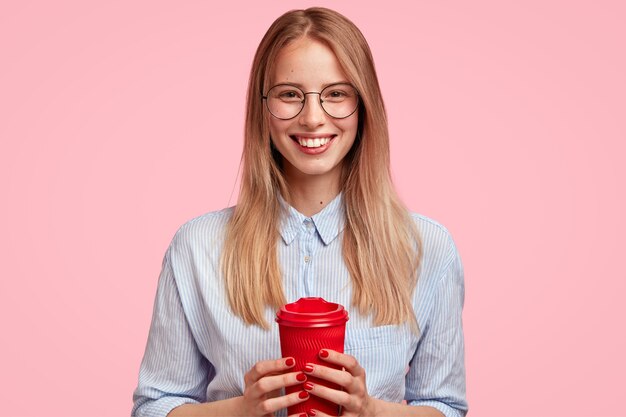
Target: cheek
{"points": [[277, 127], [350, 124]]}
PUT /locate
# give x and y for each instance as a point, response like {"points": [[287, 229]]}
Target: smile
{"points": [[312, 142]]}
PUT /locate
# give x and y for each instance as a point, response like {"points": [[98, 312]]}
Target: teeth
{"points": [[313, 143]]}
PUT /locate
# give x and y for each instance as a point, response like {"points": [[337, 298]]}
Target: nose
{"points": [[312, 114]]}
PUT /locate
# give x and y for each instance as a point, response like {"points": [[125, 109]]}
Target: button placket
{"points": [[308, 248]]}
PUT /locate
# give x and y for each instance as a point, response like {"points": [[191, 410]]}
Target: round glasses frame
{"points": [[319, 93]]}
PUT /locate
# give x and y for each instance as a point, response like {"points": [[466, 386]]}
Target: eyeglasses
{"points": [[286, 101]]}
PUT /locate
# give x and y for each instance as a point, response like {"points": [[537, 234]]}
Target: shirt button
{"points": [[307, 258]]}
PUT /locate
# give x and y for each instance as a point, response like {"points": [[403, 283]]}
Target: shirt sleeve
{"points": [[173, 370], [436, 376]]}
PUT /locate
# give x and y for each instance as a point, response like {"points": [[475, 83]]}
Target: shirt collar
{"points": [[329, 222]]}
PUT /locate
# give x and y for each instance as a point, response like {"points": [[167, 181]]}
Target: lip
{"points": [[312, 135], [313, 151]]}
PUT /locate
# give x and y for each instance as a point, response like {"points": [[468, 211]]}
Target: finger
{"points": [[338, 376], [349, 362], [317, 413], [274, 404], [271, 383], [342, 398], [262, 368], [298, 415]]}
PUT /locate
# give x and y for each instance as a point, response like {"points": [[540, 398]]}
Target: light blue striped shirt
{"points": [[198, 351]]}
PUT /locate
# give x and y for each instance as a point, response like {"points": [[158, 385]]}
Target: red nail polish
{"points": [[302, 415], [312, 413], [308, 368], [308, 386], [303, 395], [323, 353], [301, 377], [290, 362]]}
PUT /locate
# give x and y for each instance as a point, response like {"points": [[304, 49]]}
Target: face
{"points": [[313, 144]]}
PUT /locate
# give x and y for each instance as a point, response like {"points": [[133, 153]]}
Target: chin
{"points": [[316, 171]]}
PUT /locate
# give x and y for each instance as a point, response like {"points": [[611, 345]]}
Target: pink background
{"points": [[121, 120]]}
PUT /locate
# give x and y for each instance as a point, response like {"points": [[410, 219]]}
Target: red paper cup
{"points": [[307, 326]]}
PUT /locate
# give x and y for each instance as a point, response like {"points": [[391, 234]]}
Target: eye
{"points": [[336, 94], [289, 94], [286, 93]]}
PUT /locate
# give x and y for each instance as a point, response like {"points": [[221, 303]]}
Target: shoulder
{"points": [[434, 235], [440, 283], [203, 230], [439, 248]]}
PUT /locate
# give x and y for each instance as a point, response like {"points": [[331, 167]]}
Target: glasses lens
{"points": [[285, 101], [339, 100]]}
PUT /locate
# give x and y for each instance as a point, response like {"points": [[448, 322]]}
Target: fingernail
{"points": [[303, 395], [302, 415], [312, 413], [323, 353], [308, 368], [290, 362], [308, 386], [301, 377]]}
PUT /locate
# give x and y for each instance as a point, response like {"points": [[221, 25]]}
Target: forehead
{"points": [[308, 63]]}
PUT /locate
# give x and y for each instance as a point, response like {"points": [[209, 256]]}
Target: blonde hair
{"points": [[383, 270]]}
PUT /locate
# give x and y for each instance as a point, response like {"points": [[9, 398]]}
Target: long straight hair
{"points": [[383, 270]]}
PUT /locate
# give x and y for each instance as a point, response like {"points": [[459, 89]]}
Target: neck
{"points": [[309, 196]]}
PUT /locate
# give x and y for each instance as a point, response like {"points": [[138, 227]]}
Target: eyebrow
{"points": [[301, 86]]}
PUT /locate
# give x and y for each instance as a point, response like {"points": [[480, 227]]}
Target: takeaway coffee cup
{"points": [[307, 326]]}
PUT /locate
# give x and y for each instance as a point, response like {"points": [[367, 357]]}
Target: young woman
{"points": [[317, 216]]}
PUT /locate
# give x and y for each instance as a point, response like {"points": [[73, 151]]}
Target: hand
{"points": [[354, 399], [263, 384]]}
